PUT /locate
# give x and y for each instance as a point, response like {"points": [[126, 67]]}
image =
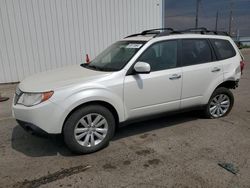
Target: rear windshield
{"points": [[116, 56], [223, 49]]}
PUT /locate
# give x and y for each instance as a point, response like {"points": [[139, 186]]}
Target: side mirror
{"points": [[142, 67]]}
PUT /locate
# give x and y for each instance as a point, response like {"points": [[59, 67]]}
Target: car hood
{"points": [[51, 80]]}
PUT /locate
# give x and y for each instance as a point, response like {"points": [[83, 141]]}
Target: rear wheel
{"points": [[220, 103], [89, 129]]}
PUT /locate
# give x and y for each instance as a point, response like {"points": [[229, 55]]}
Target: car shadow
{"points": [[38, 146], [155, 123], [35, 146]]}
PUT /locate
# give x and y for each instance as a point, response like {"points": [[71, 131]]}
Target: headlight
{"points": [[31, 99]]}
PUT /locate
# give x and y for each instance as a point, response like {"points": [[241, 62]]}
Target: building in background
{"points": [[40, 35]]}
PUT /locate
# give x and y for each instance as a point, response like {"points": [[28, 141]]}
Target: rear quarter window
{"points": [[223, 49]]}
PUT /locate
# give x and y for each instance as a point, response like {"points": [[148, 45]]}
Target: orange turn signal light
{"points": [[47, 95]]}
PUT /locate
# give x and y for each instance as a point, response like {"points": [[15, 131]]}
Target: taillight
{"points": [[242, 64]]}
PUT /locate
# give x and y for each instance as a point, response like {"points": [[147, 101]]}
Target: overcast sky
{"points": [[180, 14]]}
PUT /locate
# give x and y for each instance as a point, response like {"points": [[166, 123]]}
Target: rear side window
{"points": [[223, 49], [195, 51]]}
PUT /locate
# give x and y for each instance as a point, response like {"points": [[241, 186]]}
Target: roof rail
{"points": [[164, 33], [203, 30], [200, 30], [169, 31], [196, 29], [151, 31], [219, 33], [158, 29]]}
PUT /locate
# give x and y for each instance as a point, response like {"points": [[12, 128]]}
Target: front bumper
{"points": [[31, 128], [46, 116]]}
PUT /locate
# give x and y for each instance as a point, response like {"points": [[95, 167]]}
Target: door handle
{"points": [[216, 69], [175, 76]]}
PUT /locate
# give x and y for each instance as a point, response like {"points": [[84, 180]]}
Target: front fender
{"points": [[90, 95]]}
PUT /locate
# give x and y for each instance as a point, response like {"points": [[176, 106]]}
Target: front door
{"points": [[158, 91]]}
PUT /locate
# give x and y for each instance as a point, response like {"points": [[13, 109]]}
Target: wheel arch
{"points": [[229, 84], [96, 102]]}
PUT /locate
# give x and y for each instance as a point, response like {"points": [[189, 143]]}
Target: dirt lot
{"points": [[175, 151]]}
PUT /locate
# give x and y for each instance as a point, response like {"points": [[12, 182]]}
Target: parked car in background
{"points": [[152, 72]]}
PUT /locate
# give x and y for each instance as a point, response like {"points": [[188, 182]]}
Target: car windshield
{"points": [[115, 57]]}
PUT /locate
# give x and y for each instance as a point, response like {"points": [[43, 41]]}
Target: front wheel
{"points": [[220, 103], [89, 129]]}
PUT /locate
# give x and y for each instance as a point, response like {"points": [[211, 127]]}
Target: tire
{"points": [[79, 134], [226, 95]]}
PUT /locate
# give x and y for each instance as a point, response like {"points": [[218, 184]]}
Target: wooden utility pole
{"points": [[197, 13], [230, 18], [216, 21]]}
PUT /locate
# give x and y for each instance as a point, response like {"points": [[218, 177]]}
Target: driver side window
{"points": [[161, 55]]}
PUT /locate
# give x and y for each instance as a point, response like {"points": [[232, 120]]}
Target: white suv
{"points": [[152, 72]]}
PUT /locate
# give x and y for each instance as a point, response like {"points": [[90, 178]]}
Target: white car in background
{"points": [[152, 72]]}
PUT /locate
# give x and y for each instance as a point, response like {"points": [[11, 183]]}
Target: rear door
{"points": [[201, 71]]}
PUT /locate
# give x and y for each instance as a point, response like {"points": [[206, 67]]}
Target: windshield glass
{"points": [[115, 57]]}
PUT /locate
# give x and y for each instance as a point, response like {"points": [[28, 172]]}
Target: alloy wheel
{"points": [[219, 105], [91, 129]]}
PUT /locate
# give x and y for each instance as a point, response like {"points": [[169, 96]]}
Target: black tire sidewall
{"points": [[220, 90], [69, 126]]}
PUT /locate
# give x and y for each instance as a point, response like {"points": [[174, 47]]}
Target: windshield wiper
{"points": [[90, 66], [93, 67]]}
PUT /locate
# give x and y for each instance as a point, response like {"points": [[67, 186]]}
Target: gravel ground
{"points": [[174, 151]]}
